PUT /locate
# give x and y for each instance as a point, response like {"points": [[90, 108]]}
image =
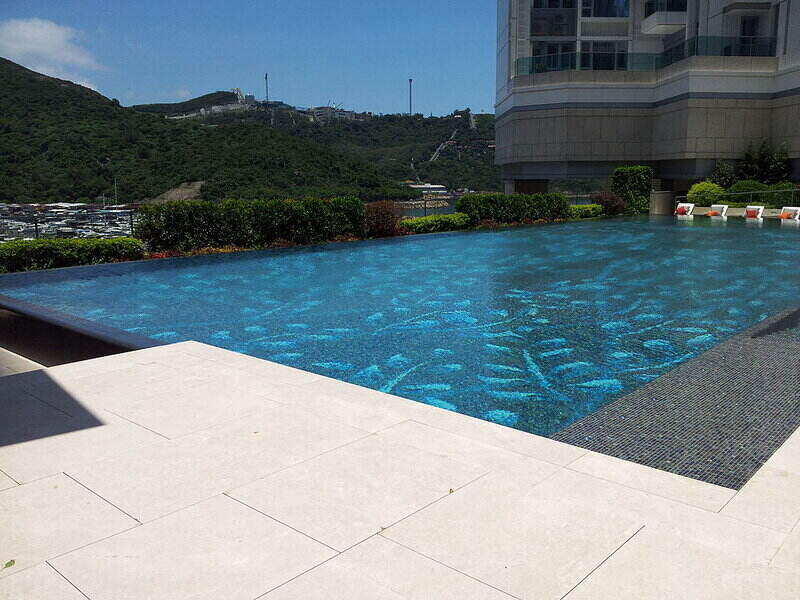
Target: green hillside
{"points": [[189, 106], [391, 142], [60, 142]]}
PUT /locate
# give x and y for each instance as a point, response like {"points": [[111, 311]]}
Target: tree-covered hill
{"points": [[189, 106], [394, 142], [61, 142]]}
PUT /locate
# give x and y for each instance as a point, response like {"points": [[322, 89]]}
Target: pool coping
{"points": [[65, 321]]}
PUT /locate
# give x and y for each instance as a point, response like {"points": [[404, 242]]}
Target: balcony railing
{"points": [[623, 61], [654, 6]]}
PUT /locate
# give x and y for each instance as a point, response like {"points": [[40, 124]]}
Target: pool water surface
{"points": [[531, 327]]}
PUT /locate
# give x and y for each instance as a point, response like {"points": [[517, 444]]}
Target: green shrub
{"points": [[705, 193], [188, 225], [633, 185], [788, 195], [748, 185], [585, 211], [434, 223], [513, 208], [30, 255]]}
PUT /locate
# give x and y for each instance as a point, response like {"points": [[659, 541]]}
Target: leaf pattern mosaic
{"points": [[532, 328]]}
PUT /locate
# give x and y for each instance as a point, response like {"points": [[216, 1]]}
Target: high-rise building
{"points": [[584, 86]]}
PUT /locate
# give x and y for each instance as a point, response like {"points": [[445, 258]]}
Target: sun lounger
{"points": [[754, 214], [684, 211], [790, 216], [718, 212]]}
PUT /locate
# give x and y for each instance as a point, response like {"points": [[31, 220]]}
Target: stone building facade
{"points": [[584, 86]]}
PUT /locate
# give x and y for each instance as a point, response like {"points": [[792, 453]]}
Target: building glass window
{"points": [[605, 8], [554, 18], [749, 26]]}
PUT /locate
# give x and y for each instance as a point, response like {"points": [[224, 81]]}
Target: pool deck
{"points": [[188, 471]]}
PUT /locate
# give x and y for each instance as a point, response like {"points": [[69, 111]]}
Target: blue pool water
{"points": [[532, 327]]}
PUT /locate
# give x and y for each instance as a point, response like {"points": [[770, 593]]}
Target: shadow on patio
{"points": [[34, 406]]}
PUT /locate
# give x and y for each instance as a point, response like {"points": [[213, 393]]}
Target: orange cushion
{"points": [[681, 210], [751, 214], [713, 213], [785, 215]]}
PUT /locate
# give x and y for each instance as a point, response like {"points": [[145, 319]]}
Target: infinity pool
{"points": [[532, 327]]}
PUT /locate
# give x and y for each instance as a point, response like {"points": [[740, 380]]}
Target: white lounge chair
{"points": [[759, 214], [794, 219], [722, 209], [686, 206]]}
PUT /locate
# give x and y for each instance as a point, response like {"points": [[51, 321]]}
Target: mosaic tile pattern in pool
{"points": [[533, 327]]}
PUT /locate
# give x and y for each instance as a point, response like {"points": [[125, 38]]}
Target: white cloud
{"points": [[182, 94], [47, 47]]}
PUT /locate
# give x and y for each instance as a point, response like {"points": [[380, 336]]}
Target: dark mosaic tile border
{"points": [[716, 418]]}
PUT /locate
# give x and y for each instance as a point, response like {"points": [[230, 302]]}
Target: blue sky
{"points": [[359, 53]]}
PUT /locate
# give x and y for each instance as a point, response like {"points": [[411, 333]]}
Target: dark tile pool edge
{"points": [[51, 337], [716, 418]]}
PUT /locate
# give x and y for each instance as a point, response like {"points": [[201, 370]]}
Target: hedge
{"points": [[705, 193], [633, 185], [434, 223], [585, 211], [513, 208], [788, 195], [188, 225], [30, 255]]}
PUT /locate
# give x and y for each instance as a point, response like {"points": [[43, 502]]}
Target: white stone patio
{"points": [[187, 471]]}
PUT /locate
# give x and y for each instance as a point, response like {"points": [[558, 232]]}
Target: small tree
{"points": [[764, 164], [724, 173], [633, 185]]}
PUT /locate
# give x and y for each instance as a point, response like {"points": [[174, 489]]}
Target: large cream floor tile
{"points": [[347, 495], [51, 516], [216, 549], [6, 481], [771, 498], [172, 474], [271, 371], [743, 541], [787, 457], [788, 557], [467, 450], [379, 569], [38, 583], [365, 416], [51, 454], [517, 535], [661, 483], [658, 566], [186, 410], [483, 431]]}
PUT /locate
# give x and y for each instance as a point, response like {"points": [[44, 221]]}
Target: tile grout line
{"points": [[134, 423], [101, 497], [272, 589], [602, 562], [304, 534], [10, 477], [445, 565], [47, 562], [649, 493], [544, 460]]}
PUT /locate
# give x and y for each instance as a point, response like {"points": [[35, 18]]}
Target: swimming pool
{"points": [[531, 327]]}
